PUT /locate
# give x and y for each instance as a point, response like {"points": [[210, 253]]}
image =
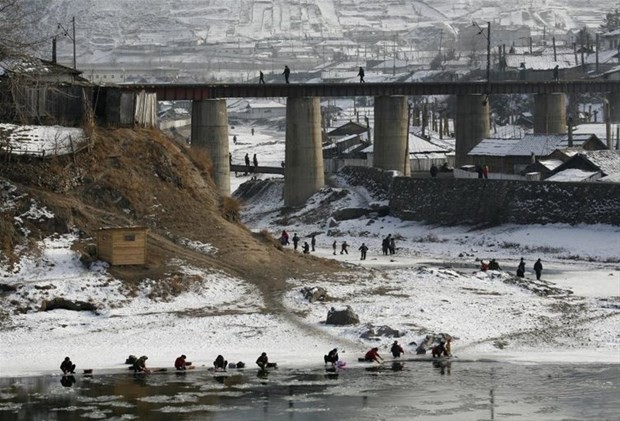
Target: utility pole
{"points": [[488, 51], [488, 37], [71, 37]]}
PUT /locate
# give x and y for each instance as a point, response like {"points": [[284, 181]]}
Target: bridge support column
{"points": [[614, 107], [550, 114], [210, 131], [391, 137], [472, 124], [303, 171]]}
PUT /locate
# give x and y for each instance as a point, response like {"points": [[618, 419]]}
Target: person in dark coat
{"points": [[306, 248], [334, 246], [344, 248], [247, 162], [220, 363], [556, 72], [313, 241], [480, 171], [262, 361], [286, 73], [521, 269], [295, 241], [493, 265], [434, 170], [385, 245], [363, 249], [67, 366], [538, 267], [361, 75], [331, 357], [261, 78], [396, 350], [140, 365], [392, 245]]}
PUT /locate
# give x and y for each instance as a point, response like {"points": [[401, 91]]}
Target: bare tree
{"points": [[16, 31], [18, 46]]}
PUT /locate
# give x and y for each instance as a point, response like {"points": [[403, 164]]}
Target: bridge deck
{"points": [[252, 90]]}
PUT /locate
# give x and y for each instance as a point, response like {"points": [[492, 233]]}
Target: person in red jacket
{"points": [[181, 363], [373, 355]]}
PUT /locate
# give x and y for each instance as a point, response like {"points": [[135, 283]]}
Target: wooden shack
{"points": [[122, 246]]}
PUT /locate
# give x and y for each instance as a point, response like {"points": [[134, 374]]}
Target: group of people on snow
{"points": [[494, 265], [138, 365]]}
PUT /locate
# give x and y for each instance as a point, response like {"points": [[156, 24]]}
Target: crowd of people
{"points": [[388, 245]]}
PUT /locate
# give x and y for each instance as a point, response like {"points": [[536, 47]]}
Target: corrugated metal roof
{"points": [[572, 174], [608, 161], [539, 145]]}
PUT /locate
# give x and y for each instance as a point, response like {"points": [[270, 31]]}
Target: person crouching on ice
{"points": [[181, 363], [397, 350], [331, 357], [220, 363], [67, 366], [442, 349], [140, 365], [262, 361], [373, 355]]}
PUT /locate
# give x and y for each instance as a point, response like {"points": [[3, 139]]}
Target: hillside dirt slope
{"points": [[142, 178]]}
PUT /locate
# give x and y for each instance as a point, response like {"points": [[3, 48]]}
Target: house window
{"points": [[130, 237]]}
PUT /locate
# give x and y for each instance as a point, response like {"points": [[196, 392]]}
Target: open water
{"points": [[412, 390]]}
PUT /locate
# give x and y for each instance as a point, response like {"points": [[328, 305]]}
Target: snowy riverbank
{"points": [[431, 286]]}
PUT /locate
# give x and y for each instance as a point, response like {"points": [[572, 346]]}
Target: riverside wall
{"points": [[492, 202]]}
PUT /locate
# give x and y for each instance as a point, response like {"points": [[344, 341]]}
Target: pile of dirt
{"points": [[142, 178]]}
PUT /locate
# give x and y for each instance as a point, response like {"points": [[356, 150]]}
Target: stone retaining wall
{"points": [[475, 201]]}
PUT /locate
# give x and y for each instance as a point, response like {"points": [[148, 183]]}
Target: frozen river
{"points": [[413, 390]]}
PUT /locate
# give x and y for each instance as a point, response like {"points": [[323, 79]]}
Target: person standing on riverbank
{"points": [[363, 249], [538, 267]]}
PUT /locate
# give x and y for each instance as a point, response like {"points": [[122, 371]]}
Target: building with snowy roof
{"points": [[512, 156], [603, 165]]}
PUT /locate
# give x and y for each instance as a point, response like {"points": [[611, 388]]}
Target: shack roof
{"points": [[539, 145]]}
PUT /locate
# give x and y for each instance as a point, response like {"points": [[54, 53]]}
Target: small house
{"points": [[601, 165], [122, 246], [512, 156]]}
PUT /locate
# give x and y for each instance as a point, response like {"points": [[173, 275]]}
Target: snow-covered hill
{"points": [[103, 28]]}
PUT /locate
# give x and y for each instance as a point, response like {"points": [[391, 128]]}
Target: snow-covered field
{"points": [[431, 285]]}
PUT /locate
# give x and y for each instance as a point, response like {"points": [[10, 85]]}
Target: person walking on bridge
{"points": [[247, 163], [255, 161], [361, 75], [286, 73], [261, 78]]}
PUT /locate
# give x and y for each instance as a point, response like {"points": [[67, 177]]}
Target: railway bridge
{"points": [[303, 156]]}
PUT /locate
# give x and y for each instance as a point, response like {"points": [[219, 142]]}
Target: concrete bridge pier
{"points": [[614, 107], [472, 124], [210, 131], [550, 113], [391, 137], [303, 171]]}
